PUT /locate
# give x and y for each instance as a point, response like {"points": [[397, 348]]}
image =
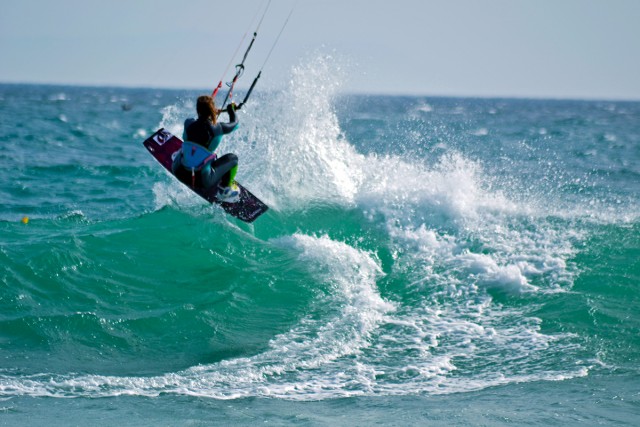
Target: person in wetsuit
{"points": [[197, 164]]}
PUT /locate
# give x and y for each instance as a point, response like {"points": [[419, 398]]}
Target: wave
{"points": [[345, 344], [372, 274]]}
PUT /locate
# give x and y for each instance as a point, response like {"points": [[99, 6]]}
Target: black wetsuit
{"points": [[208, 135]]}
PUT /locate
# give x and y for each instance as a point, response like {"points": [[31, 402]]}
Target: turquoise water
{"points": [[425, 261]]}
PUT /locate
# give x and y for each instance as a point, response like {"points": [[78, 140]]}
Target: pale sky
{"points": [[490, 48]]}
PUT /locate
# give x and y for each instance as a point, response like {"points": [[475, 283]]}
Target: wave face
{"points": [[414, 246]]}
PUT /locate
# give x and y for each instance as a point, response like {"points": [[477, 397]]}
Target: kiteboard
{"points": [[163, 145]]}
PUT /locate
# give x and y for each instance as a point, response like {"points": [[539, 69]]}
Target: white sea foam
{"points": [[173, 116], [173, 193], [449, 229], [292, 149], [140, 133], [480, 132], [424, 108], [61, 96]]}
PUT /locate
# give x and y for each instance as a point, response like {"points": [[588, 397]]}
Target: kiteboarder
{"points": [[196, 164]]}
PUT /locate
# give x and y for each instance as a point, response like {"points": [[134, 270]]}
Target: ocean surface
{"points": [[425, 261]]}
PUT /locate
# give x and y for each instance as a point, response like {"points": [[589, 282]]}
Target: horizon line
{"points": [[347, 93]]}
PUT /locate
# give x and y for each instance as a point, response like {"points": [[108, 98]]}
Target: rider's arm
{"points": [[233, 119]]}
